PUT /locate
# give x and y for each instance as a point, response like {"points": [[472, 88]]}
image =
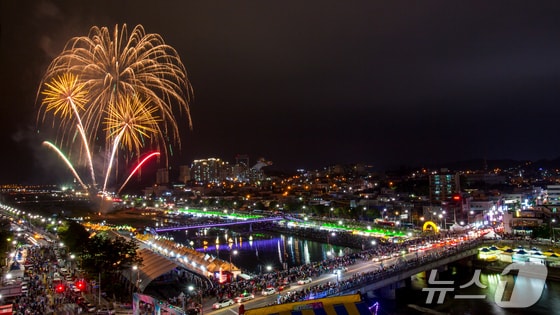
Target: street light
{"points": [[191, 289], [231, 253], [72, 257], [333, 234], [135, 268], [337, 276], [552, 229]]}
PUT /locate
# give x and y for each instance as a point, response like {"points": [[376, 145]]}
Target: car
{"points": [[268, 291], [89, 307], [304, 281], [222, 303], [244, 297], [339, 269], [283, 287]]}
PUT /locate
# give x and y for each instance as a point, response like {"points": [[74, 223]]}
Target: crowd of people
{"points": [[283, 279], [39, 282]]}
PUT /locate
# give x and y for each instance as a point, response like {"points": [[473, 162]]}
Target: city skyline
{"points": [[311, 84]]}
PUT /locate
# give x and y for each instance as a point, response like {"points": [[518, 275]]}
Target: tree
{"points": [[109, 255], [5, 236], [73, 235], [541, 231], [106, 257]]}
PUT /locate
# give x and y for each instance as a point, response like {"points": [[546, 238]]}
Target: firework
{"points": [[124, 91], [129, 122], [65, 97], [136, 169], [68, 163]]}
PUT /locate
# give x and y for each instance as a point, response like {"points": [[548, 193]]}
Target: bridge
{"points": [[210, 225], [396, 276]]}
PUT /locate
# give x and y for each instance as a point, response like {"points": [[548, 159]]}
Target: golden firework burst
{"points": [[65, 96], [127, 90], [136, 120]]}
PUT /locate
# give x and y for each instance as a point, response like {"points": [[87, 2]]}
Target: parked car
{"points": [[222, 303], [244, 297], [268, 291], [304, 281]]}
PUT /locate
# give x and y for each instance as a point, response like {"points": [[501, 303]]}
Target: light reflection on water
{"points": [[287, 251], [253, 256]]}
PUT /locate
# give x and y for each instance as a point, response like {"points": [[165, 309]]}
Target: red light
{"points": [[80, 285], [456, 198], [60, 288]]}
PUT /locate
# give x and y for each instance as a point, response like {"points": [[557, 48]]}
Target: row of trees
{"points": [[6, 238]]}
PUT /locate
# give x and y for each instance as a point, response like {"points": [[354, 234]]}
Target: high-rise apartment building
{"points": [[444, 185], [209, 170]]}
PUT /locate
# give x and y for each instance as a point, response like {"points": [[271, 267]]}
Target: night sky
{"points": [[306, 84]]}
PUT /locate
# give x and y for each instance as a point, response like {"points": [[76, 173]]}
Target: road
{"points": [[261, 301], [360, 266]]}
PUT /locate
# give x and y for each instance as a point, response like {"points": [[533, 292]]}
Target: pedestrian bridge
{"points": [[221, 224]]}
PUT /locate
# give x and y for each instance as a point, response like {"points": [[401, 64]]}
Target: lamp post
{"points": [[337, 276], [231, 253], [72, 257], [137, 269], [199, 293], [552, 230]]}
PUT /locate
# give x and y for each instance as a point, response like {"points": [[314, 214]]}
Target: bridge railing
{"points": [[402, 266]]}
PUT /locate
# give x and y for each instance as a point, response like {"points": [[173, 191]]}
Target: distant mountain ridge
{"points": [[504, 164]]}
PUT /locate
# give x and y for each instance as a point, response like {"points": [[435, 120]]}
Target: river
{"points": [[268, 252], [549, 302], [259, 252]]}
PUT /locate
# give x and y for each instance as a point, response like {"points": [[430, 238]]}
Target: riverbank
{"points": [[343, 239]]}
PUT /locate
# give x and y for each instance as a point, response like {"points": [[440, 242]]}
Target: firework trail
{"points": [[136, 169], [68, 163]]}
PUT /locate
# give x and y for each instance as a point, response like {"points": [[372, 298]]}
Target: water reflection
{"points": [[256, 253], [549, 300]]}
